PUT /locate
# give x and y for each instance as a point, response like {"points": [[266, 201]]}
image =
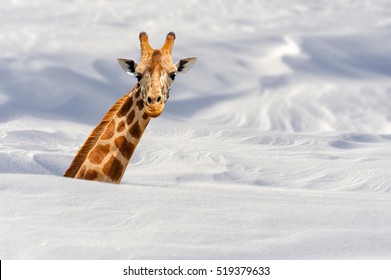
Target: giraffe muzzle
{"points": [[154, 110], [154, 106]]}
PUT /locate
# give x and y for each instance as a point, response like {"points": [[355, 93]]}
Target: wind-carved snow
{"points": [[277, 144]]}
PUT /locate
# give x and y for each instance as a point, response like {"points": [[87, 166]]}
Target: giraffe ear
{"points": [[185, 64], [129, 65]]}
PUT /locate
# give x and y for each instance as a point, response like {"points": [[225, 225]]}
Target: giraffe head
{"points": [[156, 72]]}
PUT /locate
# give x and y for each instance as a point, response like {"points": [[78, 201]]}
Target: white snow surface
{"points": [[275, 145]]}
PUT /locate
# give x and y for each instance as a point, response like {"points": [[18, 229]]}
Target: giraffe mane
{"points": [[94, 137]]}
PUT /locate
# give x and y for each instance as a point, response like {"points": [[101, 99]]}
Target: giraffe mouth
{"points": [[154, 110]]}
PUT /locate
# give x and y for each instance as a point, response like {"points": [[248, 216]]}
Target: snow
{"points": [[276, 145]]}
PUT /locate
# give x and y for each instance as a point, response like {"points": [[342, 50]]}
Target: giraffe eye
{"points": [[139, 77], [172, 76]]}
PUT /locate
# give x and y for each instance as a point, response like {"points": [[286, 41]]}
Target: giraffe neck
{"points": [[107, 151]]}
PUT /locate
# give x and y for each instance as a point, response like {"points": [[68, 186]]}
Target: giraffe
{"points": [[107, 151]]}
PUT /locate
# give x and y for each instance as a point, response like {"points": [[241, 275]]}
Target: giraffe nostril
{"points": [[149, 100], [158, 99]]}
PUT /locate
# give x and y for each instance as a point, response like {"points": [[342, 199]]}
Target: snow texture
{"points": [[276, 145]]}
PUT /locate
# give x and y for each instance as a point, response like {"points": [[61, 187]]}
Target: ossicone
{"points": [[146, 48], [167, 47]]}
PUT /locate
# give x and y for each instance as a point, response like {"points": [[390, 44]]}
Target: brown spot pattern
{"points": [[91, 174], [125, 107], [130, 117], [135, 130], [121, 126], [145, 116], [137, 95], [99, 153], [125, 147], [140, 104], [113, 169], [109, 131]]}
